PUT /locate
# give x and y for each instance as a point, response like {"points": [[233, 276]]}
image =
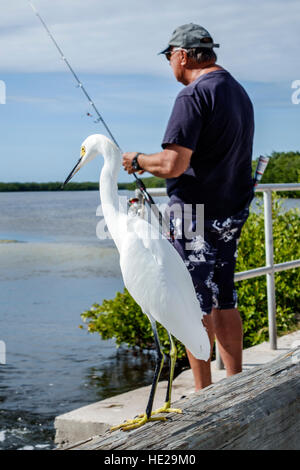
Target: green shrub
{"points": [[121, 318], [252, 293], [283, 167]]}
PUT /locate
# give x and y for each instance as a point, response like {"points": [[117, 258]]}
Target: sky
{"points": [[113, 47]]}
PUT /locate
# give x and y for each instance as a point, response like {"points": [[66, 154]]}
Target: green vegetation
{"points": [[121, 318], [50, 186], [252, 293], [150, 182], [283, 167]]}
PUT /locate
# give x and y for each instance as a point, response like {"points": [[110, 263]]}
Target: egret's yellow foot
{"points": [[136, 423], [166, 409]]}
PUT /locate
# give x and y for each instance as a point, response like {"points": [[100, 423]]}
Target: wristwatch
{"points": [[135, 164]]}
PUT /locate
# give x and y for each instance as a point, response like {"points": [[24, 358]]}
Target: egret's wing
{"points": [[157, 278]]}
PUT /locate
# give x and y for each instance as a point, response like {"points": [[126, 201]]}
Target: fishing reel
{"points": [[135, 207]]}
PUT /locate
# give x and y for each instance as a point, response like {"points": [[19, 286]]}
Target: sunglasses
{"points": [[168, 54]]}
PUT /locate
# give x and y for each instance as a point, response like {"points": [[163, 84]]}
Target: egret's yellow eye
{"points": [[82, 151]]}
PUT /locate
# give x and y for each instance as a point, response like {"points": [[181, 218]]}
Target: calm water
{"points": [[54, 269]]}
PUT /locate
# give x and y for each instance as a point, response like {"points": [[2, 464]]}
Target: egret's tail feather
{"points": [[197, 342]]}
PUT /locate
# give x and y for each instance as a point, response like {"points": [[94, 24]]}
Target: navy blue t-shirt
{"points": [[213, 116]]}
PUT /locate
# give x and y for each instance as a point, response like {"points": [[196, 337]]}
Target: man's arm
{"points": [[169, 163]]}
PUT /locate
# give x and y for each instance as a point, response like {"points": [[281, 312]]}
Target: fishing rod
{"points": [[261, 166], [139, 182], [260, 169]]}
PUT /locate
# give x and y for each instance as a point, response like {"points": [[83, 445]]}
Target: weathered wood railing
{"points": [[256, 409]]}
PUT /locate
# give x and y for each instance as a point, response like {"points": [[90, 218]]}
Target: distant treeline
{"points": [[283, 167], [50, 186], [150, 182]]}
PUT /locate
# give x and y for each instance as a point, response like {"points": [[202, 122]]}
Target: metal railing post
{"points": [[270, 264]]}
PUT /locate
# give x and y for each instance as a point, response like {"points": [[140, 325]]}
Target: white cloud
{"points": [[258, 39]]}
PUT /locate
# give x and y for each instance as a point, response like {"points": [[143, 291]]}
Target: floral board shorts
{"points": [[211, 258]]}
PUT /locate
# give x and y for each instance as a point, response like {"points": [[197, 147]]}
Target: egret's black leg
{"points": [[172, 361], [142, 419], [158, 368]]}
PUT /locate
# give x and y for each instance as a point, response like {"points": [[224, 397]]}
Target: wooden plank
{"points": [[257, 409]]}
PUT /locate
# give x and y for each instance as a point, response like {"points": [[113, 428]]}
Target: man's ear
{"points": [[184, 58]]}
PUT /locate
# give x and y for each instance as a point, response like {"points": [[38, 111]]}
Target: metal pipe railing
{"points": [[270, 268]]}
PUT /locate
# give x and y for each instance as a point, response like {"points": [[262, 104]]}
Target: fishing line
{"points": [[139, 182]]}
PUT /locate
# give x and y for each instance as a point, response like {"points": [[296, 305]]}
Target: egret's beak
{"points": [[73, 172]]}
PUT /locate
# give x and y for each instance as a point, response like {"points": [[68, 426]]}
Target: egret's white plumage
{"points": [[153, 271]]}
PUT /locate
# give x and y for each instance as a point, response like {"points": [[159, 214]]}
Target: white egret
{"points": [[153, 272]]}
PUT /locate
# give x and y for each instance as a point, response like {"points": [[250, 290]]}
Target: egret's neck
{"points": [[109, 195], [108, 183]]}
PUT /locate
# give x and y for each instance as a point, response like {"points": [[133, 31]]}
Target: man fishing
{"points": [[206, 159]]}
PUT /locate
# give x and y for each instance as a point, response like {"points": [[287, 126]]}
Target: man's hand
{"points": [[127, 163]]}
